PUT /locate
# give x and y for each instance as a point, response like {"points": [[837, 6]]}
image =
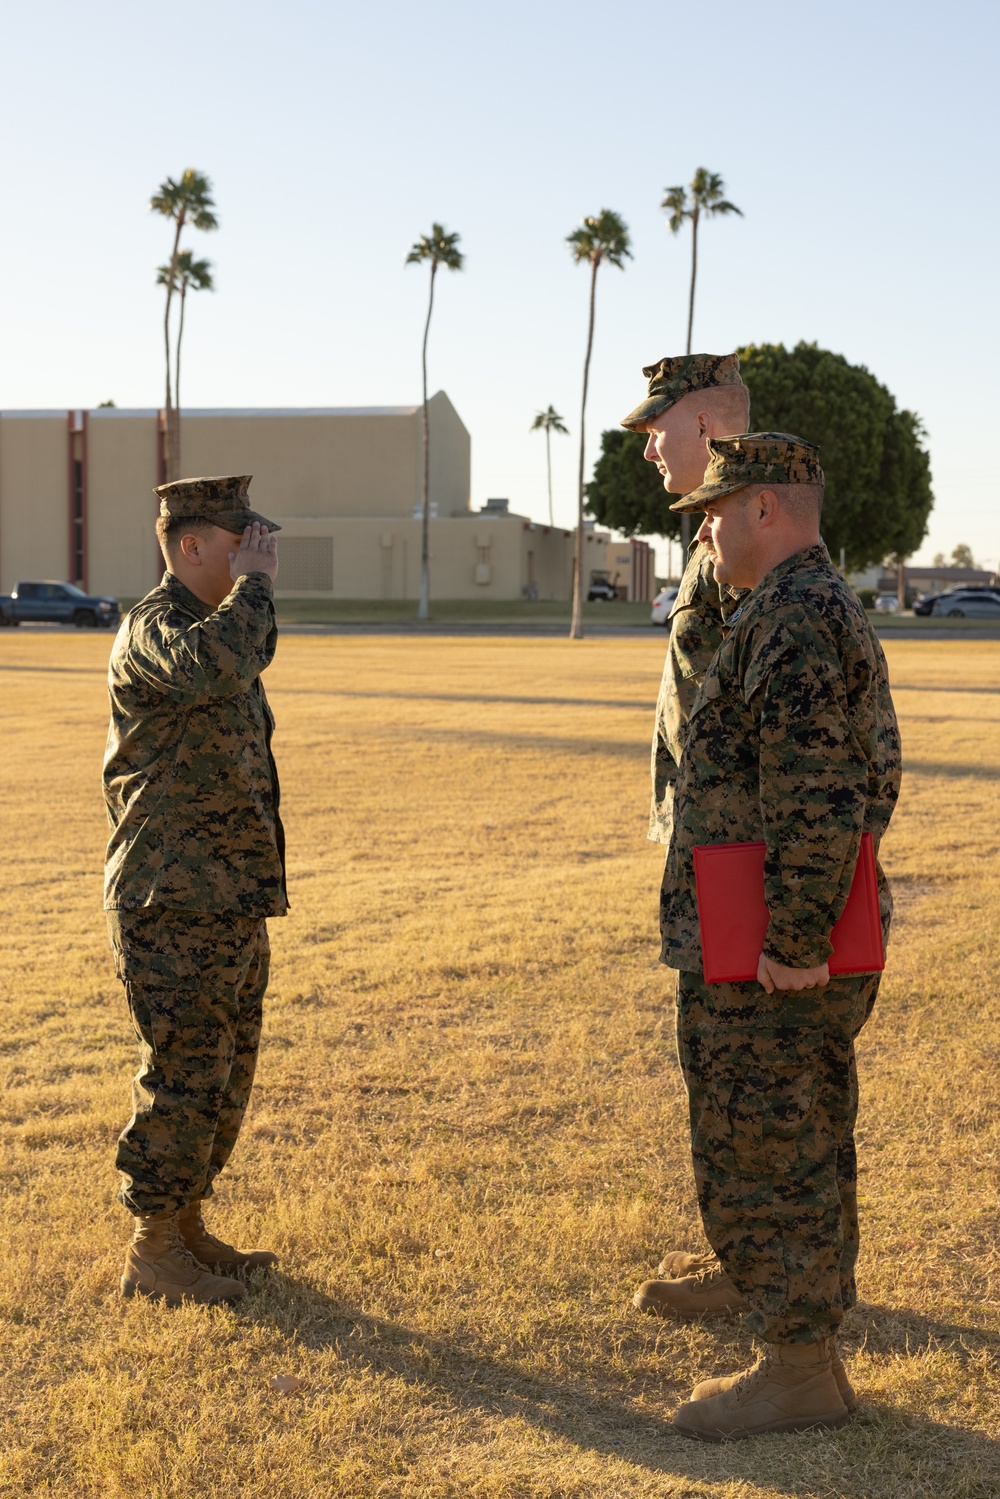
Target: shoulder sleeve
{"points": [[191, 662], [813, 788]]}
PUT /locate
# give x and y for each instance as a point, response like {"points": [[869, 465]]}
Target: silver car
{"points": [[968, 603]]}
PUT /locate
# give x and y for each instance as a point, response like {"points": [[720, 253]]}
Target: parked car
{"points": [[926, 605], [58, 603], [971, 603], [662, 605], [602, 588], [886, 603]]}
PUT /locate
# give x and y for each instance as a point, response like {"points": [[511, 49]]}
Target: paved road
{"points": [[545, 629]]}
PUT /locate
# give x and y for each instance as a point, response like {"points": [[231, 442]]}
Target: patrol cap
{"points": [[753, 458], [223, 500], [672, 378]]}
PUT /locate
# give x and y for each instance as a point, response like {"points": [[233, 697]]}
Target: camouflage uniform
{"points": [[698, 611], [793, 740], [195, 860], [696, 633]]}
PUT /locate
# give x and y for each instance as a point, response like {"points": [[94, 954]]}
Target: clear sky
{"points": [[860, 140]]}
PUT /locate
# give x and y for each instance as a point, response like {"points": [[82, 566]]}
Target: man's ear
{"points": [[191, 548], [704, 422], [766, 503]]}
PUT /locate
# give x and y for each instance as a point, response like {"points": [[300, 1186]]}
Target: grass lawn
{"points": [[468, 1139]]}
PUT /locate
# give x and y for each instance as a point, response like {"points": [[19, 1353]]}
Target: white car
{"points": [[662, 605], [887, 603]]}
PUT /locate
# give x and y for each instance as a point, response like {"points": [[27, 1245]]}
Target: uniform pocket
{"points": [[772, 1105]]}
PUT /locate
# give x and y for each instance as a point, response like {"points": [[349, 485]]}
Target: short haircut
{"points": [[170, 528], [803, 501], [730, 405]]}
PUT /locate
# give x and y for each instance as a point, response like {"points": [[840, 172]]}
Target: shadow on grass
{"points": [[914, 1457]]}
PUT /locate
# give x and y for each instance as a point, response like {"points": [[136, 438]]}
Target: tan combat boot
{"points": [[709, 1293], [680, 1262], [158, 1264], [709, 1387], [793, 1388], [213, 1252]]}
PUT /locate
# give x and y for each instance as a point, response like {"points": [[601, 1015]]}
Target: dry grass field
{"points": [[468, 1139]]}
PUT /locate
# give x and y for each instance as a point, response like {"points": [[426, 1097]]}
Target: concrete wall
{"points": [[124, 559], [472, 557], [34, 497]]}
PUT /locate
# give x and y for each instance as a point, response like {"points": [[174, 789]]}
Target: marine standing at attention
{"points": [[195, 865], [691, 397], [792, 740]]}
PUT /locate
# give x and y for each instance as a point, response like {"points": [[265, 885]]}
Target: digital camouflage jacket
{"points": [[189, 778], [695, 636], [792, 739]]}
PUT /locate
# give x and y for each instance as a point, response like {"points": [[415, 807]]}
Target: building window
{"points": [[77, 530]]}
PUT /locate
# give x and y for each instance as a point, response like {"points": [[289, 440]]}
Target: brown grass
{"points": [[468, 1140]]}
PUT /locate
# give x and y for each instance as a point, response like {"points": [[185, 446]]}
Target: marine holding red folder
{"points": [[791, 744]]}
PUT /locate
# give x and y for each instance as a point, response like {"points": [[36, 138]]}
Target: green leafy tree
{"points": [[195, 275], [601, 237], [187, 201], [878, 481], [962, 556], [437, 248], [626, 493], [703, 198], [548, 422]]}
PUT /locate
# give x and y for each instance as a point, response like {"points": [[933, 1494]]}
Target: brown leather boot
{"points": [[792, 1388], [679, 1262], [158, 1264], [709, 1387], [710, 1293], [213, 1252]]}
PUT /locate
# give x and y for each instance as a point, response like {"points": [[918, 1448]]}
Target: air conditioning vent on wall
{"points": [[305, 564]]}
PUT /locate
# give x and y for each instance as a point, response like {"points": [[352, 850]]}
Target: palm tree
{"points": [[706, 198], [439, 248], [548, 422], [188, 201], [196, 274], [603, 237]]}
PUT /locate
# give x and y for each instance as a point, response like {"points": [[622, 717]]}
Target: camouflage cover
{"points": [[753, 458], [792, 739], [695, 635], [674, 377], [189, 779], [223, 499]]}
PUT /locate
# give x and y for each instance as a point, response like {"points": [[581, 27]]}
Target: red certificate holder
{"points": [[733, 916]]}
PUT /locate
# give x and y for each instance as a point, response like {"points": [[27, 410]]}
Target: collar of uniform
{"points": [[183, 596], [816, 556]]}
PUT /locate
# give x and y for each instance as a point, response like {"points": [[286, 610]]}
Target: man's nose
{"points": [[704, 531], [649, 451]]}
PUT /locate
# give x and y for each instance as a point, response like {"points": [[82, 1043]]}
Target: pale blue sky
{"points": [[859, 139]]}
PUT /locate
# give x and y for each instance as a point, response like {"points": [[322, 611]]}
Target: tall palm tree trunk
{"points": [[423, 608], [686, 519], [576, 624], [548, 463], [177, 382], [169, 463]]}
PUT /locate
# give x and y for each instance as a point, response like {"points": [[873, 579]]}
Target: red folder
{"points": [[729, 880]]}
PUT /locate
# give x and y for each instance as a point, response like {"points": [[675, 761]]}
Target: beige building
{"points": [[76, 503]]}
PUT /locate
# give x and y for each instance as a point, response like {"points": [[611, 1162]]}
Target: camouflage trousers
{"points": [[773, 1099], [195, 987]]}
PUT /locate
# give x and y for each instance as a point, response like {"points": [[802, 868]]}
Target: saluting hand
{"points": [[258, 553], [772, 975]]}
